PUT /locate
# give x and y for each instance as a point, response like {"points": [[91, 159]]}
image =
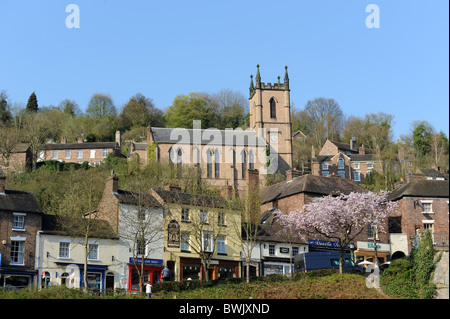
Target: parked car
{"points": [[305, 262]]}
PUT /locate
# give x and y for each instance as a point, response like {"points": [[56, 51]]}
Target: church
{"points": [[224, 157]]}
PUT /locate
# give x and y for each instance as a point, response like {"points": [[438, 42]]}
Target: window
{"points": [[251, 160], [207, 241], [341, 174], [208, 163], [185, 242], [324, 166], [221, 219], [19, 221], [140, 247], [371, 231], [92, 154], [204, 216], [80, 154], [179, 162], [273, 109], [67, 154], [427, 208], [17, 247], [221, 245], [325, 173], [41, 156], [64, 249], [356, 165], [244, 163], [105, 153], [341, 163], [271, 250], [55, 154], [357, 176], [369, 165], [294, 251], [185, 214], [217, 164], [93, 251]]}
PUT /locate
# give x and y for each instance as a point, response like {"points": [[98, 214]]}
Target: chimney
{"points": [[313, 151], [149, 135], [362, 150], [112, 183], [118, 138], [2, 183], [293, 173], [80, 140], [63, 140], [353, 146], [173, 188], [227, 192]]}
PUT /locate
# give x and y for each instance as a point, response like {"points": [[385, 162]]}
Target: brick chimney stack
{"points": [[63, 140], [293, 173]]}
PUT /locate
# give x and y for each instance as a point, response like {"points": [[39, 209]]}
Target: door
{"points": [[109, 283]]}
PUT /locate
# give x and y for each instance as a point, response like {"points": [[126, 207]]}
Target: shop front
{"points": [[152, 272], [365, 252], [192, 269]]}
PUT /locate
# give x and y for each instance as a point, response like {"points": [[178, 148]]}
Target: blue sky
{"points": [[165, 48]]}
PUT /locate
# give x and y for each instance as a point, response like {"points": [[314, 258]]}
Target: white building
{"points": [[60, 254]]}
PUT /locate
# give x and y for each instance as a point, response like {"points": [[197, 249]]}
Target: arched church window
{"points": [[244, 163], [217, 164], [273, 108], [208, 163]]}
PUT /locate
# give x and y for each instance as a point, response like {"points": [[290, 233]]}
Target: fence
{"points": [[439, 239]]}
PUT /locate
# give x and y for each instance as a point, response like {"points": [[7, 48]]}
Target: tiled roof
{"points": [[421, 188], [321, 185], [19, 201], [208, 136], [73, 146]]}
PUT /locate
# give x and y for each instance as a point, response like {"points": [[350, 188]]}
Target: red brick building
{"points": [[20, 220], [422, 205]]}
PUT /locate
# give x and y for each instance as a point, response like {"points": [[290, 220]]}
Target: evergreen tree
{"points": [[32, 105]]}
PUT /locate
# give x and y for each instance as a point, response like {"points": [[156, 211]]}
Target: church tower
{"points": [[270, 116]]}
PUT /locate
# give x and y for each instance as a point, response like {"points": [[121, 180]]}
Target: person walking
{"points": [[165, 274], [148, 290]]}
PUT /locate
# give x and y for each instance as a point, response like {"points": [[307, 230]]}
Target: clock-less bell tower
{"points": [[270, 116]]}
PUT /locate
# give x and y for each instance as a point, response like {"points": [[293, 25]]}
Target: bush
{"points": [[397, 280]]}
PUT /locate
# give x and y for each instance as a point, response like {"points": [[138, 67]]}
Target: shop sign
{"points": [[284, 250], [370, 246], [323, 243], [173, 234], [147, 261]]}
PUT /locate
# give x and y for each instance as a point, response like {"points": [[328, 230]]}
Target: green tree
{"points": [[5, 114], [140, 111], [422, 135], [195, 106], [32, 105], [101, 105]]}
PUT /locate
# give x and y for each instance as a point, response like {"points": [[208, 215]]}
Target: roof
{"points": [[421, 188], [431, 172], [208, 136], [63, 225], [21, 148], [132, 198], [19, 201], [321, 185], [268, 230], [177, 197], [346, 147], [71, 146]]}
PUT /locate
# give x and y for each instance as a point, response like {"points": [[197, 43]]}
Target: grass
{"points": [[313, 285], [331, 286]]}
